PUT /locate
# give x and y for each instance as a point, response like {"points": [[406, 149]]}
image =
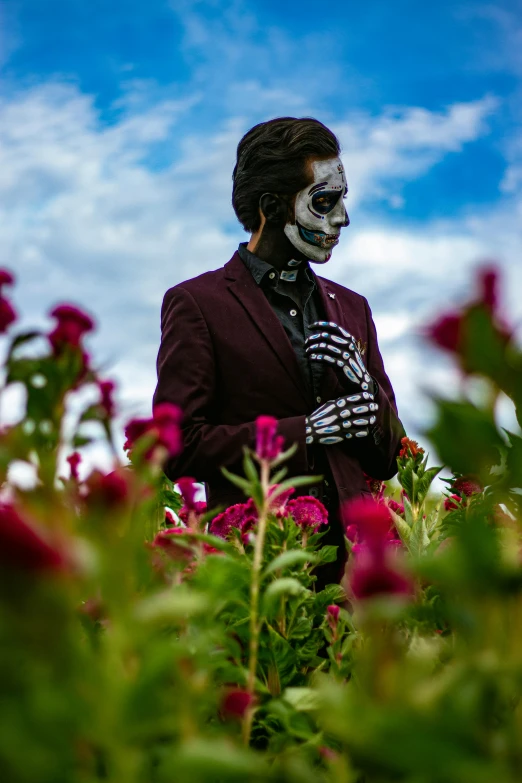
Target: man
{"points": [[266, 335]]}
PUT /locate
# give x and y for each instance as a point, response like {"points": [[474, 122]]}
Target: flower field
{"points": [[147, 639]]}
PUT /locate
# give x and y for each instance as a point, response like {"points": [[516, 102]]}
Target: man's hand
{"points": [[333, 345], [341, 419]]}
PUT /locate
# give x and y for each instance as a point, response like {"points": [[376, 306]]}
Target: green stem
{"points": [[255, 625]]}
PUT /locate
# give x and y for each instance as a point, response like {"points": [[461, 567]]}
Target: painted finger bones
{"points": [[332, 344], [342, 419]]}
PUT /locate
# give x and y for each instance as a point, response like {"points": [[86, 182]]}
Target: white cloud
{"points": [[84, 218]]}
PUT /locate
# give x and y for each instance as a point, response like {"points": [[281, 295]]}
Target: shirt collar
{"points": [[259, 269]]}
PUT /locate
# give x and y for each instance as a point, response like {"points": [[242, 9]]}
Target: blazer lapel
{"points": [[251, 297]]}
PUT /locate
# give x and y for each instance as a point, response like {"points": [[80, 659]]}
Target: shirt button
{"points": [[271, 275], [319, 399], [293, 312]]}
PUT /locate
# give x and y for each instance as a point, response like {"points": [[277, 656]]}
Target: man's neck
{"points": [[276, 250]]}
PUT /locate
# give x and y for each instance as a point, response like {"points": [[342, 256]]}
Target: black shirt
{"points": [[297, 305]]}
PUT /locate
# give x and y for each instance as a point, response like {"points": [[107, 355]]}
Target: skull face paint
{"points": [[319, 212]]}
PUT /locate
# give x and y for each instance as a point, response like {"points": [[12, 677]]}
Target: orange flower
{"points": [[410, 448]]}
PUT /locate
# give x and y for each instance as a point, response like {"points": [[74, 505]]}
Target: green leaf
{"points": [[419, 539], [172, 606], [290, 558], [278, 476], [302, 699], [403, 528], [299, 481], [424, 483], [238, 481], [327, 554], [405, 477], [408, 512], [285, 455], [287, 585]]}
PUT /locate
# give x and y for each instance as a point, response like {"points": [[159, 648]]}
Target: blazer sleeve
{"points": [[378, 455], [186, 369]]}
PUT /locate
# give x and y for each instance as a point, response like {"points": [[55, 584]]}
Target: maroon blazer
{"points": [[225, 359]]}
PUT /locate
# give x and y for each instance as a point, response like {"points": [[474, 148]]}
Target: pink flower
{"points": [[268, 444], [163, 428], [332, 613], [241, 516], [106, 401], [22, 547], [169, 518], [397, 508], [6, 278], [278, 505], [165, 540], [468, 486], [108, 490], [371, 519], [200, 508], [373, 574], [488, 287], [446, 332], [7, 314], [74, 460], [188, 489], [307, 512], [453, 502], [71, 327], [236, 702]]}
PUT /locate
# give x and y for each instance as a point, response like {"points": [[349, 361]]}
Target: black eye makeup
{"points": [[324, 201]]}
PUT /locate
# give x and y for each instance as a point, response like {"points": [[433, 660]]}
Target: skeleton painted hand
{"points": [[333, 345], [342, 419]]}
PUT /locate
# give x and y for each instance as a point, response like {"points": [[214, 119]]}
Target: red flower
{"points": [[242, 516], [373, 574], [371, 519], [23, 547], [397, 508], [165, 540], [200, 508], [307, 512], [72, 325], [163, 427], [6, 278], [278, 505], [7, 314], [110, 490], [446, 332], [236, 702], [410, 448], [468, 486], [106, 401], [188, 489], [332, 613], [169, 518], [268, 444], [452, 502], [74, 460]]}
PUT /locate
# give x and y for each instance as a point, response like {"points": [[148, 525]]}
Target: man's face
{"points": [[319, 212]]}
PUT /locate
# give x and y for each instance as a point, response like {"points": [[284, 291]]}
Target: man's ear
{"points": [[274, 208]]}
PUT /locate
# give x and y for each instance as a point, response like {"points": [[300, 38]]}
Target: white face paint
{"points": [[320, 212]]}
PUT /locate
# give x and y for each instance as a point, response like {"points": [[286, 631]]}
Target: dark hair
{"points": [[271, 158]]}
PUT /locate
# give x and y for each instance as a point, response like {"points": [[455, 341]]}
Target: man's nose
{"points": [[341, 218]]}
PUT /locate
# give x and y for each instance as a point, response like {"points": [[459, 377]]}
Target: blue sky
{"points": [[118, 127]]}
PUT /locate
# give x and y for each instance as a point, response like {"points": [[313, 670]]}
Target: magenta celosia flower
{"points": [[307, 512], [169, 518], [108, 490], [333, 612], [200, 508], [278, 505], [488, 278], [242, 516], [7, 314], [188, 489], [371, 519], [71, 327], [398, 508], [446, 332], [106, 397], [6, 278], [236, 702], [165, 540], [468, 486], [372, 573], [452, 502], [22, 547], [268, 444], [163, 428], [74, 460]]}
